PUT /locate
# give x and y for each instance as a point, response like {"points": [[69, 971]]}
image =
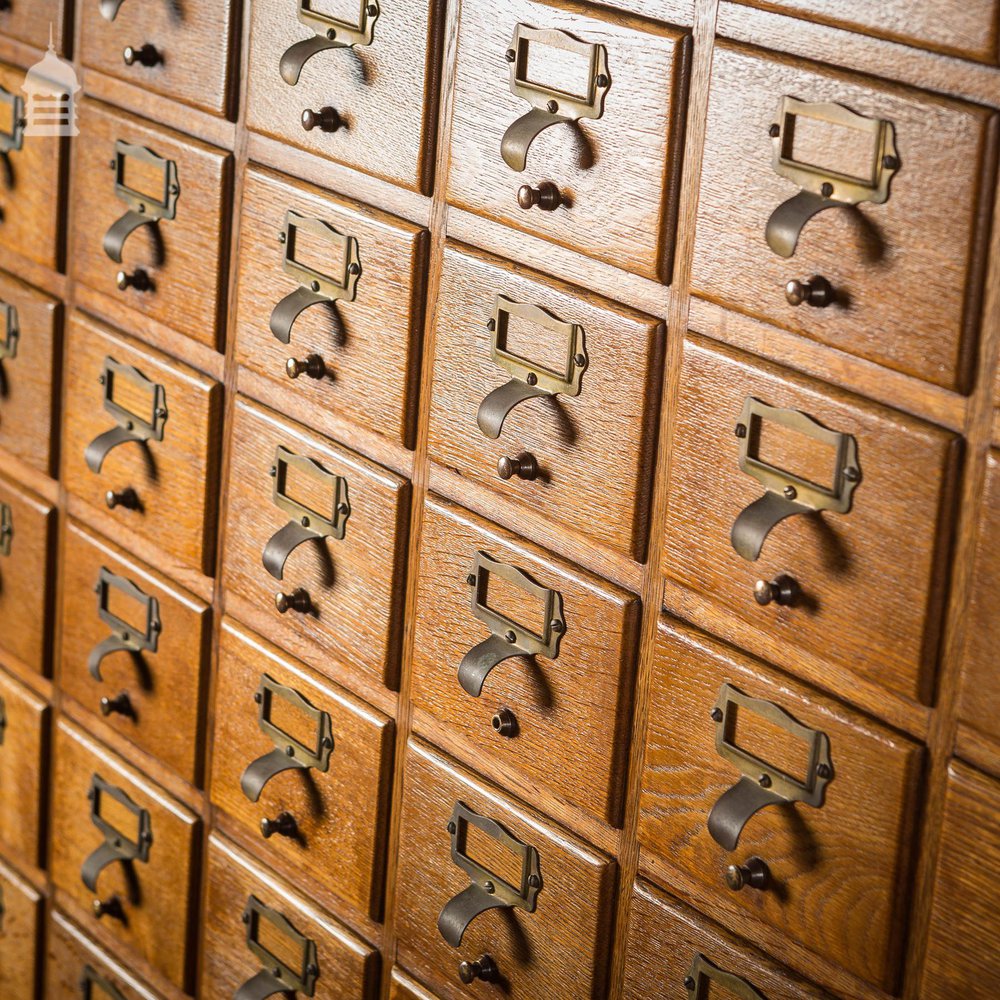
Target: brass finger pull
{"points": [[124, 636], [6, 529], [339, 283], [118, 845], [12, 139], [550, 105], [703, 973], [509, 637], [289, 752], [94, 986], [295, 969], [822, 188], [306, 524], [144, 209], [329, 33], [11, 331], [762, 783], [529, 378], [786, 493], [130, 425], [109, 8], [487, 890]]}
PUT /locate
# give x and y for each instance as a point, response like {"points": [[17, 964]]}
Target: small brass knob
{"points": [[138, 279], [782, 590], [326, 120], [485, 969], [546, 196], [754, 873], [816, 291], [312, 366], [297, 600], [126, 498], [145, 55], [283, 824], [524, 467], [505, 723], [111, 907], [121, 703]]}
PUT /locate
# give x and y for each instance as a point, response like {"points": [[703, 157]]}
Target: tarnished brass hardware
{"points": [[783, 590], [130, 426], [297, 600], [314, 286], [330, 33], [145, 55], [283, 824], [549, 105], [822, 188], [305, 523], [277, 975], [312, 365], [90, 979], [143, 210], [529, 380], [127, 498], [505, 723], [524, 467], [3, 722], [815, 291], [110, 907], [488, 891], [12, 331], [788, 493], [120, 704], [109, 8], [703, 973], [546, 196], [124, 636], [509, 638], [288, 751], [6, 529], [14, 139], [484, 969], [138, 279], [762, 783], [117, 845], [754, 874], [325, 119]]}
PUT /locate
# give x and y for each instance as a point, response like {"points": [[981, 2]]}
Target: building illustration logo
{"points": [[51, 87]]}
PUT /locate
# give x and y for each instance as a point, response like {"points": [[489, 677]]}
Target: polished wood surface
{"points": [[20, 936]]}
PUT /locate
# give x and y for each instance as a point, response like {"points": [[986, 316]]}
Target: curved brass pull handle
{"points": [[277, 975], [522, 133], [702, 972], [331, 33], [109, 8]]}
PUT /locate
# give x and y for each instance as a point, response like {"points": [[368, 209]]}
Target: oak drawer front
{"points": [[600, 366], [669, 946], [173, 267], [30, 198], [30, 339], [886, 555], [616, 174], [558, 950], [286, 931], [75, 964], [27, 536], [384, 89], [903, 274], [28, 21], [837, 861], [329, 815], [342, 596], [144, 902], [544, 717], [24, 738], [173, 475], [402, 987], [182, 51], [961, 957], [134, 648], [359, 337], [20, 935]]}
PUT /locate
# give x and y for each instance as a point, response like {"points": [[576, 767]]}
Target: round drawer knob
{"points": [[126, 498], [283, 824], [111, 907], [138, 279], [781, 590], [524, 467], [754, 873], [816, 291], [326, 120], [485, 969], [297, 600], [145, 55], [120, 704], [505, 723], [312, 366], [546, 196]]}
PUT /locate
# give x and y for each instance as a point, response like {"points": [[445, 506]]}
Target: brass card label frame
{"points": [[124, 846], [343, 288], [346, 33], [12, 331], [293, 980], [6, 528], [147, 639], [316, 756], [332, 526], [141, 202], [703, 973], [138, 426], [14, 139]]}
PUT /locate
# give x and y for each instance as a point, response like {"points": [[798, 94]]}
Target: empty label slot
{"points": [[512, 602], [137, 398], [319, 252], [481, 848], [291, 953], [769, 743], [555, 68], [346, 11], [308, 490], [539, 346], [292, 721], [831, 147], [126, 609], [145, 179], [794, 452], [118, 816]]}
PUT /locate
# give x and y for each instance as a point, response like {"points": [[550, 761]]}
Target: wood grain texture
{"points": [[402, 987], [28, 21], [617, 174], [840, 871], [610, 426], [29, 382], [354, 584], [348, 966], [386, 92], [20, 936], [186, 261], [920, 248], [194, 42], [664, 938], [557, 951], [572, 711], [887, 555], [23, 771], [176, 479], [155, 895], [26, 583], [341, 815], [371, 346], [962, 957], [165, 688]]}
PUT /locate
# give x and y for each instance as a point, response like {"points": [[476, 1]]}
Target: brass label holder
{"points": [[509, 637], [529, 380], [277, 976], [91, 979], [3, 719], [12, 331], [13, 140], [143, 209], [487, 890], [330, 33], [6, 529], [288, 752], [787, 493], [314, 286], [821, 188], [117, 846], [130, 426], [701, 975], [762, 783], [550, 105], [124, 636]]}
